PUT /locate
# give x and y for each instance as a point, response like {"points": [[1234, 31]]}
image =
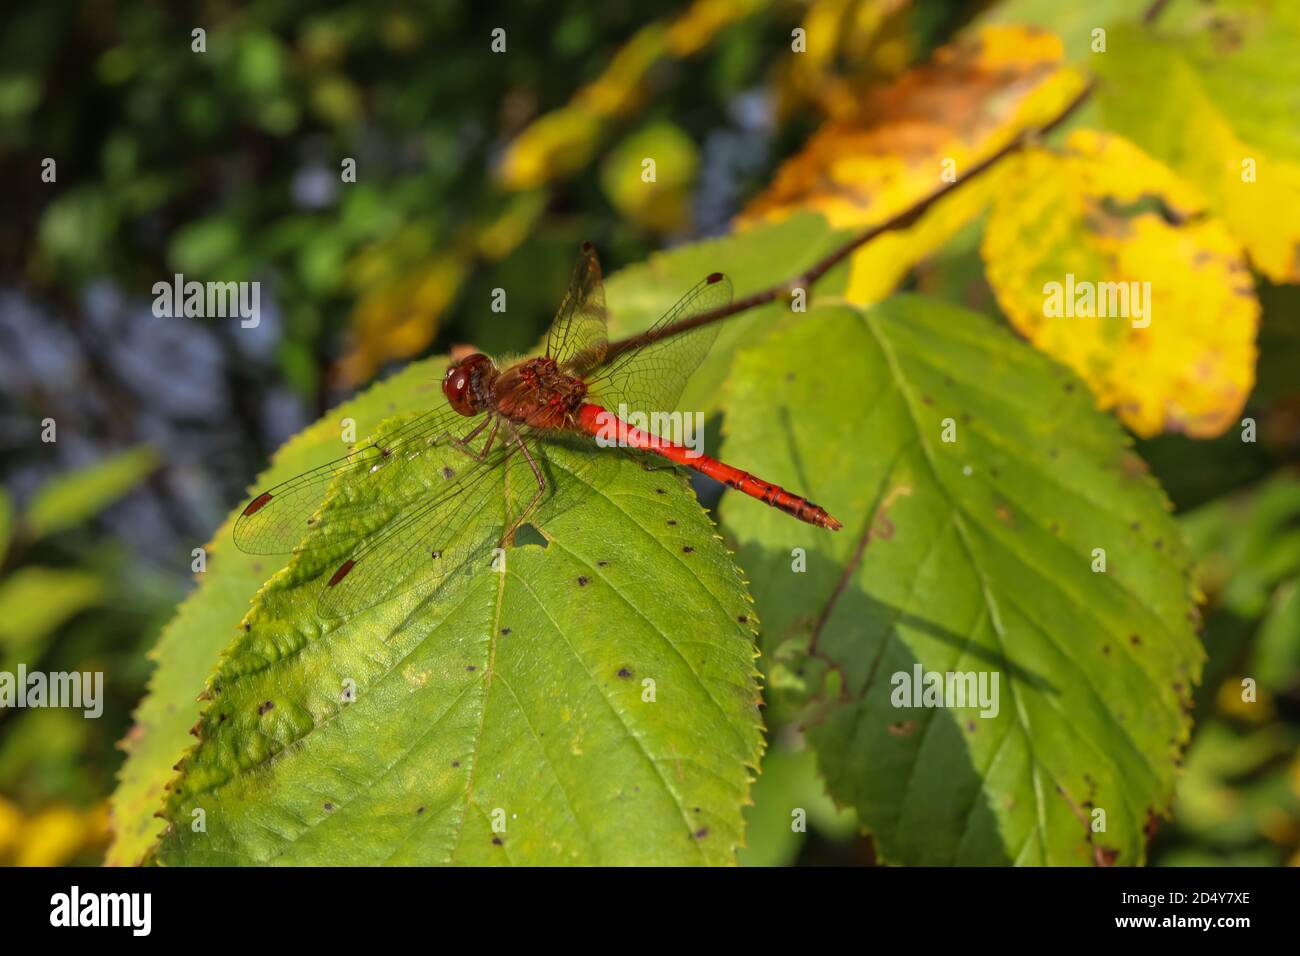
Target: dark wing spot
{"points": [[714, 277], [258, 503], [342, 572]]}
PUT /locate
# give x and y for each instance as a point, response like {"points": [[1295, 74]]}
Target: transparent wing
{"points": [[454, 529], [650, 377], [276, 521], [578, 333]]}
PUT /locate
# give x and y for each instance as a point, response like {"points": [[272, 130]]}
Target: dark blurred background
{"points": [[474, 170]]}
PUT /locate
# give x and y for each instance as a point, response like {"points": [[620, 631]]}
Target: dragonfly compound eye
{"points": [[460, 385]]}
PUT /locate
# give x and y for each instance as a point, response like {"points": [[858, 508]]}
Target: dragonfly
{"points": [[504, 418]]}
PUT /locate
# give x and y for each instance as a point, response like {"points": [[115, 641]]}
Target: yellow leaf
{"points": [[881, 264], [660, 203], [562, 142], [500, 237], [11, 819], [1232, 704], [556, 144], [400, 318], [1103, 258], [56, 834], [904, 141], [844, 43], [1223, 121], [696, 28]]}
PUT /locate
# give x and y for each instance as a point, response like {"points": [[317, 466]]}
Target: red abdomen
{"points": [[597, 421]]}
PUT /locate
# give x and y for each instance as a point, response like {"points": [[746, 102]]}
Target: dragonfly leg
{"points": [[509, 537], [462, 444]]}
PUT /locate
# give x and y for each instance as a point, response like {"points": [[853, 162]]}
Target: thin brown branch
{"points": [[808, 277]]}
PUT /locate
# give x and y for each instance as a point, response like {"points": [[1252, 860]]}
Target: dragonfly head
{"points": [[466, 384]]}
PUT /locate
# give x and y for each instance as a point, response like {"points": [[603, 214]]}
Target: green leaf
{"points": [[206, 621], [404, 733], [969, 556], [789, 800], [1247, 544], [1275, 658], [68, 500]]}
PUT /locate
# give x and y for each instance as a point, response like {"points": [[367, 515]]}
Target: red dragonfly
{"points": [[521, 410]]}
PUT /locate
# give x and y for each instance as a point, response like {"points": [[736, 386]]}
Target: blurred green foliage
{"points": [[54, 764]]}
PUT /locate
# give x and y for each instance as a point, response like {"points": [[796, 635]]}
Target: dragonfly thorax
{"points": [[537, 392]]}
